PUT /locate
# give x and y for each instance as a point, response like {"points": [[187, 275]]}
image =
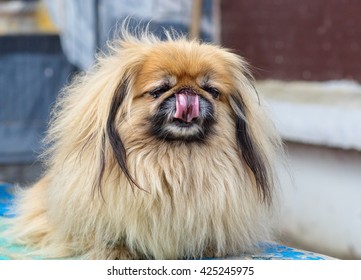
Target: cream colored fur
{"points": [[198, 199]]}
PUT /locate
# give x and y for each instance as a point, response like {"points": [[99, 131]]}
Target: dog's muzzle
{"points": [[184, 116]]}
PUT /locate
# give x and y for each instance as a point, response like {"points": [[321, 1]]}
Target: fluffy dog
{"points": [[161, 151]]}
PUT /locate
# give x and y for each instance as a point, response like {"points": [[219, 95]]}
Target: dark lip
{"points": [[183, 124]]}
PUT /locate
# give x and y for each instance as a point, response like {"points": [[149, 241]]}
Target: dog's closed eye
{"points": [[158, 91], [212, 91]]}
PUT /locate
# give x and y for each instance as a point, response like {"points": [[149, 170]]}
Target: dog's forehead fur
{"points": [[183, 63]]}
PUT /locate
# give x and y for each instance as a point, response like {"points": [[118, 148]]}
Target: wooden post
{"points": [[194, 31]]}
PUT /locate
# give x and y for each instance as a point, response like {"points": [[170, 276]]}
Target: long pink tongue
{"points": [[187, 105]]}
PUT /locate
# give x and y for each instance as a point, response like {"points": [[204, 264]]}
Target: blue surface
{"points": [[273, 251], [266, 251], [5, 198]]}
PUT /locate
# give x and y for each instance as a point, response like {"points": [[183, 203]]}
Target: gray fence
{"points": [[32, 70]]}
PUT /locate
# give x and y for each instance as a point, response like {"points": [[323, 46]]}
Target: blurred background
{"points": [[305, 56]]}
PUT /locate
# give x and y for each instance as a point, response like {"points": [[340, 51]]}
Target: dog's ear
{"points": [[113, 136], [249, 150]]}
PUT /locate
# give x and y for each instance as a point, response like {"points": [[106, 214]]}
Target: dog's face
{"points": [[184, 109], [185, 92], [179, 89]]}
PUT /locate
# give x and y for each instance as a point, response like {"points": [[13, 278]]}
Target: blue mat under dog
{"points": [[267, 251]]}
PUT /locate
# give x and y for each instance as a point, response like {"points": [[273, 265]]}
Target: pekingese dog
{"points": [[161, 151]]}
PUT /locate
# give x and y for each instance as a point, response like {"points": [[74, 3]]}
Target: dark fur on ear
{"points": [[114, 137], [249, 152]]}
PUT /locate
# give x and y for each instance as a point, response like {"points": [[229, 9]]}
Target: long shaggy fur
{"points": [[115, 187]]}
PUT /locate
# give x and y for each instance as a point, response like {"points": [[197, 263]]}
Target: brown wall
{"points": [[296, 39]]}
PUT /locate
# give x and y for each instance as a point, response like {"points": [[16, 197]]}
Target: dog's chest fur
{"points": [[191, 202]]}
